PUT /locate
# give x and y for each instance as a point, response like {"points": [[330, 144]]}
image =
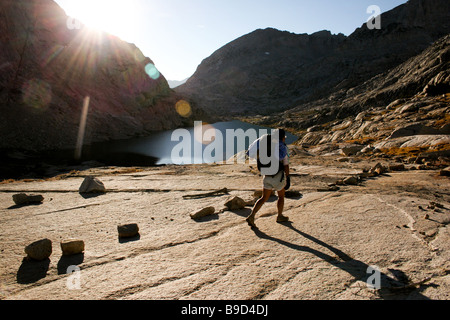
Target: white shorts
{"points": [[275, 182]]}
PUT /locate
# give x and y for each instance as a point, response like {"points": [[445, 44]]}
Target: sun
{"points": [[117, 17]]}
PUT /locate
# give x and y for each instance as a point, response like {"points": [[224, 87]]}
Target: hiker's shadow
{"points": [[245, 212], [357, 269]]}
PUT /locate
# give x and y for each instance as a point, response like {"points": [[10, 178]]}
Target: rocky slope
{"points": [[269, 71], [403, 112], [49, 64]]}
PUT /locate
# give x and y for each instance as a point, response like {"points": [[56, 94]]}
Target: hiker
{"points": [[275, 172]]}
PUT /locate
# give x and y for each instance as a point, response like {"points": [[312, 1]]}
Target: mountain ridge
{"points": [[239, 79]]}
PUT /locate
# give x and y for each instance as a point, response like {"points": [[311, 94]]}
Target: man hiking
{"points": [[274, 167]]}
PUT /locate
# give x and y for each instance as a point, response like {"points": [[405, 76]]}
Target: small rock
{"points": [[377, 169], [396, 167], [235, 204], [351, 181], [128, 230], [437, 205], [426, 216], [23, 199], [39, 250], [72, 246], [203, 213], [92, 185]]}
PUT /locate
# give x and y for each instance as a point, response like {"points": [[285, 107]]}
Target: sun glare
{"points": [[117, 17]]}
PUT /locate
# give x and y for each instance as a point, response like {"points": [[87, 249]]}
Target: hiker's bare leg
{"points": [[258, 205], [280, 206]]}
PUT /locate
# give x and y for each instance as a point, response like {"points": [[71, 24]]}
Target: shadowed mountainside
{"points": [[49, 64]]}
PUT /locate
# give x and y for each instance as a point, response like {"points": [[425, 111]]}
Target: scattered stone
{"points": [[351, 181], [396, 167], [24, 199], [435, 204], [128, 230], [203, 213], [72, 246], [39, 250], [92, 185], [235, 204], [377, 169]]}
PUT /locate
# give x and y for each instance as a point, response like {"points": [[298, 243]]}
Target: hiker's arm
{"points": [[286, 166]]}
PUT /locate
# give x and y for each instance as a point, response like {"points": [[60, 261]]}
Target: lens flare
{"points": [[82, 128], [204, 133], [183, 108], [152, 72]]}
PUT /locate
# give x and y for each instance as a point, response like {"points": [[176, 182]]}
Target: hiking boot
{"points": [[281, 219]]}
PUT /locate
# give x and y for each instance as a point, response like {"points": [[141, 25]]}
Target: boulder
{"points": [[412, 130], [24, 199], [235, 204], [39, 250], [377, 169], [128, 230], [351, 181], [92, 185], [203, 213], [351, 149], [72, 246]]}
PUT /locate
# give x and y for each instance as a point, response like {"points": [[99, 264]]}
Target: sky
{"points": [[178, 34]]}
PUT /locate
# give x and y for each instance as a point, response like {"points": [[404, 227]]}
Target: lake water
{"points": [[181, 146]]}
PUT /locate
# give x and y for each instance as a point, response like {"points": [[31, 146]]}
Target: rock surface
{"points": [[324, 253]]}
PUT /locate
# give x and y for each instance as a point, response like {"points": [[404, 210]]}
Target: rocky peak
{"points": [[271, 71]]}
